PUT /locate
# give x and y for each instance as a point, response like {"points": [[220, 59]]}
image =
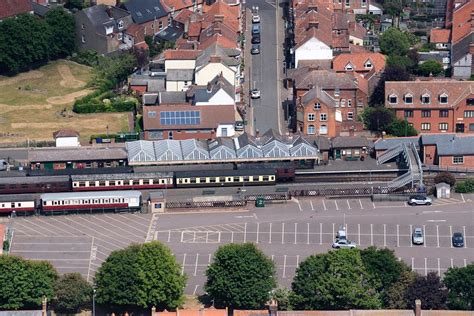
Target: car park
{"points": [[256, 39], [255, 49], [417, 236], [255, 29], [343, 244], [458, 240], [419, 200], [255, 94], [255, 18]]}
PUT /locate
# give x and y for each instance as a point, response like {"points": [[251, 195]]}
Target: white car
{"points": [[417, 236], [419, 200], [255, 18], [255, 94], [343, 243]]}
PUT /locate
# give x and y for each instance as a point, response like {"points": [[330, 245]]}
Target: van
{"points": [[341, 234], [3, 165]]}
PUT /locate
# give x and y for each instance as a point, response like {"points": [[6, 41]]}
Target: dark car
{"points": [[256, 39], [458, 240], [255, 49]]}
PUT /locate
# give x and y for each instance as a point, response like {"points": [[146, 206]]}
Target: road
{"points": [[287, 233], [265, 70]]}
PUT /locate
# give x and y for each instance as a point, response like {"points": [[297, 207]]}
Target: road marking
{"points": [[299, 206], [258, 229], [373, 204], [463, 200], [232, 237], [320, 233], [426, 266], [284, 266], [411, 232], [92, 257], [412, 264], [194, 236], [337, 207], [311, 203], [465, 263], [424, 232], [384, 235], [465, 237], [297, 261], [358, 232], [270, 234], [207, 237], [324, 205], [296, 231], [196, 265], [439, 268], [169, 235], [430, 212], [436, 220], [245, 233], [437, 235], [348, 205], [307, 241], [371, 234], [333, 233], [195, 289], [184, 263], [282, 233], [361, 207], [398, 235], [451, 234], [452, 264]]}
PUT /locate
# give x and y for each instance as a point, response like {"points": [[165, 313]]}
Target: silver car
{"points": [[419, 200], [417, 236], [343, 243]]}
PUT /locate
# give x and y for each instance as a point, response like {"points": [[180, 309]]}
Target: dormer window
{"points": [[425, 98], [348, 3], [317, 106], [368, 64], [337, 92], [120, 25], [392, 99], [349, 67], [443, 98], [408, 99]]}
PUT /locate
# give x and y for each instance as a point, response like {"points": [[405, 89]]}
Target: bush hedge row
{"points": [[466, 186]]}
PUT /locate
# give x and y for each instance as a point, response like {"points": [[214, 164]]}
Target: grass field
{"points": [[35, 104]]}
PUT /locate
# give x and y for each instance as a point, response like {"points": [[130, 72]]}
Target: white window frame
{"points": [[323, 129], [425, 126], [390, 97], [444, 95], [311, 117], [120, 24], [458, 160], [323, 117], [343, 103], [349, 67], [443, 125], [349, 103], [408, 95], [350, 116], [426, 95], [317, 106], [368, 62], [337, 92], [311, 130]]}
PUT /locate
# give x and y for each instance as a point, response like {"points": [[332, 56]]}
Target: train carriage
{"points": [[19, 203], [209, 178], [34, 184], [91, 201], [122, 181]]}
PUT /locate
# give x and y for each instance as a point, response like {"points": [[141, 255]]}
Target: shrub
{"points": [[465, 186], [445, 177]]}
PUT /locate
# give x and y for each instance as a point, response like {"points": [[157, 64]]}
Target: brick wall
{"points": [[447, 161]]}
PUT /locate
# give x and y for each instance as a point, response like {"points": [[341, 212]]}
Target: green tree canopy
{"points": [[430, 67], [394, 42], [460, 284], [24, 283], [283, 297], [377, 118], [391, 73], [240, 276], [140, 276], [401, 128], [62, 26], [332, 281], [406, 62], [395, 295], [446, 177], [72, 294], [429, 289]]}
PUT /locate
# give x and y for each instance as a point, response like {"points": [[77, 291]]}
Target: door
{"points": [[459, 127], [338, 154]]}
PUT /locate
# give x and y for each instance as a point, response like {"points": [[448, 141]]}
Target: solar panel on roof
{"points": [[180, 118]]}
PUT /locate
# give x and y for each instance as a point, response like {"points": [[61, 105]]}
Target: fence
{"points": [[205, 204]]}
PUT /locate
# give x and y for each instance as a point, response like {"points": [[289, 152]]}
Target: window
{"points": [[323, 117], [443, 99], [120, 25], [392, 99], [425, 126], [170, 135], [408, 113], [425, 99], [360, 103], [311, 117], [348, 3], [349, 67], [323, 129], [443, 113], [336, 102], [119, 36], [151, 114], [343, 103], [317, 106], [408, 99], [458, 160], [83, 39], [350, 115], [443, 126], [349, 103], [337, 92], [169, 21], [426, 113], [83, 26], [180, 118], [471, 127], [155, 135], [468, 114], [368, 64], [311, 130], [224, 132], [364, 3], [160, 25], [470, 101]]}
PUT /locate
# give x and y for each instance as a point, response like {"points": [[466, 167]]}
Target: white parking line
{"points": [[361, 207], [184, 263], [411, 232], [439, 268], [232, 237], [296, 232], [412, 264], [337, 207], [307, 226], [209, 260], [196, 265], [384, 235], [169, 235], [450, 234], [348, 205], [464, 233], [195, 289], [320, 233], [297, 261], [299, 206], [245, 233], [270, 234], [258, 229], [324, 205], [452, 263], [437, 235], [463, 200], [465, 263], [371, 234], [373, 204], [426, 266], [282, 233], [424, 232], [333, 233], [398, 235], [311, 203], [358, 231], [284, 266]]}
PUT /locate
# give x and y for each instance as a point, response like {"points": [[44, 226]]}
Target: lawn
{"points": [[35, 104]]}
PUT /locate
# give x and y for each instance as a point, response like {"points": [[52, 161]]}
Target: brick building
{"points": [[447, 150], [433, 106]]}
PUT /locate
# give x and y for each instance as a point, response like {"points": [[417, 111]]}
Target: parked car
{"points": [[458, 240], [419, 200], [255, 29], [417, 236], [343, 243], [255, 18], [255, 94], [256, 39], [255, 49]]}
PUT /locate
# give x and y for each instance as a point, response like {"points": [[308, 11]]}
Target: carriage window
{"points": [[102, 183], [75, 184], [260, 178], [24, 186], [238, 179], [3, 205], [13, 205], [229, 179], [44, 203], [150, 181]]}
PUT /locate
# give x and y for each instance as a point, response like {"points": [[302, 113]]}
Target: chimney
{"points": [[313, 24], [209, 87], [217, 30], [417, 308], [215, 59], [273, 308], [257, 133], [108, 10], [218, 18]]}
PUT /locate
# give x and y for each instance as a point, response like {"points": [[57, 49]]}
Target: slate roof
{"points": [[433, 139], [463, 145], [323, 78], [40, 10], [227, 56], [201, 94], [170, 33], [461, 48], [102, 16], [150, 98], [387, 143], [180, 74], [10, 8], [145, 10], [76, 154], [350, 142], [170, 97]]}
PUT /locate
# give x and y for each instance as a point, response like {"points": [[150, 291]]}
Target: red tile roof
{"points": [[440, 35], [218, 39], [181, 54], [221, 10], [65, 133], [461, 21], [10, 8], [358, 60], [183, 16], [357, 49], [194, 29]]}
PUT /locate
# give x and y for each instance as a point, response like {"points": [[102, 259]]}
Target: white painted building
{"points": [[66, 138], [312, 49]]}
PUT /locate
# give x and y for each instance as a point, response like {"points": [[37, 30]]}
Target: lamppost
{"points": [[93, 301]]}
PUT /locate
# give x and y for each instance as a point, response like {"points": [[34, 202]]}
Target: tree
{"points": [[460, 284], [72, 294], [395, 295], [114, 69], [335, 280], [391, 73], [401, 128], [117, 280], [446, 177], [283, 297], [394, 42], [405, 61], [161, 282], [240, 276], [74, 4], [377, 118], [429, 289], [24, 283], [393, 7], [62, 26], [430, 67]]}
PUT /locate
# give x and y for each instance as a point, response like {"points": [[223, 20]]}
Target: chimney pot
{"points": [[417, 308], [209, 87], [215, 59], [257, 133]]}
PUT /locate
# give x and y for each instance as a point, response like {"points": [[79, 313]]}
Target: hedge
{"points": [[465, 186]]}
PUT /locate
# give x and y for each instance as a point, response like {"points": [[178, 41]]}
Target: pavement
{"points": [[287, 233]]}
